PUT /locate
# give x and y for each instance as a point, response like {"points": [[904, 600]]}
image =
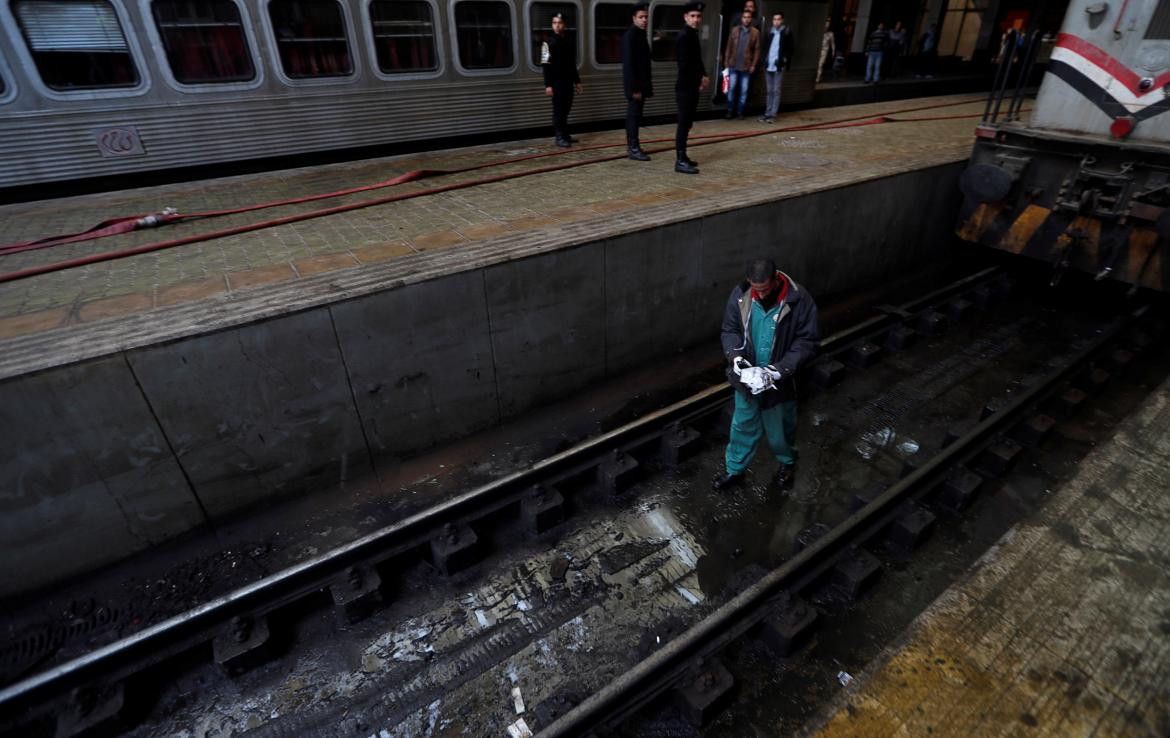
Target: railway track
{"points": [[240, 629], [946, 481]]}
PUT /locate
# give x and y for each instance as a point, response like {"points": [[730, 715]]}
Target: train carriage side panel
{"points": [[51, 136]]}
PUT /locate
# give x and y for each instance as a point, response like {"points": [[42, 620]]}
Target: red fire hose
{"points": [[116, 226]]}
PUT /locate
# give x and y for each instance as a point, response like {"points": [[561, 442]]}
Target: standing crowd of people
{"points": [[743, 54], [886, 50], [747, 49]]}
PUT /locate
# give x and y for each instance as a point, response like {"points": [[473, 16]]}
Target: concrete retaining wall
{"points": [[119, 452]]}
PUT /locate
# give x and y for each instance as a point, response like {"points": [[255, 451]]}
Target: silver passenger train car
{"points": [[1085, 181], [93, 88]]}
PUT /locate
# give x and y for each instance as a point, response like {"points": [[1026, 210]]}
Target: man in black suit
{"points": [[636, 77], [692, 80], [558, 61]]}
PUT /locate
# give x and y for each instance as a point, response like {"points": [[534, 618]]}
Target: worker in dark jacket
{"points": [[692, 80], [769, 331], [636, 79], [558, 60]]}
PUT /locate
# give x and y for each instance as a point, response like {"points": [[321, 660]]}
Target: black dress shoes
{"points": [[785, 477], [690, 161], [563, 143], [638, 155], [682, 166], [726, 481]]}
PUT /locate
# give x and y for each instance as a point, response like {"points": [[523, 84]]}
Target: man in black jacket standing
{"points": [[769, 330], [558, 61], [636, 77], [692, 80]]}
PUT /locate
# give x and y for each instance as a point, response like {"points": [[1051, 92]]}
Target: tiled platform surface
{"points": [[611, 197], [1063, 629]]}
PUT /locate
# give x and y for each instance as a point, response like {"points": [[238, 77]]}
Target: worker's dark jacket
{"points": [[797, 337], [561, 65], [689, 55], [636, 63]]}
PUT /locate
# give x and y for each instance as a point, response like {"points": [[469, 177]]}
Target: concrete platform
{"points": [[145, 396], [1060, 630]]}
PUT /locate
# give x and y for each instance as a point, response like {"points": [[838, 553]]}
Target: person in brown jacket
{"points": [[740, 58]]}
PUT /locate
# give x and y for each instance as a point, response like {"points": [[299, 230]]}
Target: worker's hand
{"points": [[738, 364], [706, 81], [755, 379], [636, 95], [578, 88], [774, 374], [548, 91]]}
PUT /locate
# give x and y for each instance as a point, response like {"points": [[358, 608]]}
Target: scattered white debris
{"points": [[688, 595], [880, 438], [519, 729], [845, 678], [518, 700], [908, 448]]}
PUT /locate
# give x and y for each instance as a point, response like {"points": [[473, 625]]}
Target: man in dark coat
{"points": [[769, 331], [692, 80], [636, 78], [558, 61]]}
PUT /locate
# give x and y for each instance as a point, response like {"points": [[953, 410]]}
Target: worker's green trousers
{"points": [[749, 423]]}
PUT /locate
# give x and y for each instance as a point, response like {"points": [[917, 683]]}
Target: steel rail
{"points": [[663, 669], [121, 659]]}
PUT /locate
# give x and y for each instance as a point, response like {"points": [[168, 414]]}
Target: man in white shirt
{"points": [[775, 62]]}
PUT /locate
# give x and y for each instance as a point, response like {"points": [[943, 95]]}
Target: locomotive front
{"points": [[1085, 182]]}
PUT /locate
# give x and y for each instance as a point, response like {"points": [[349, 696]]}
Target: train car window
{"points": [[961, 24], [484, 32], [665, 24], [404, 35], [1159, 28], [204, 40], [76, 44], [610, 22], [310, 35], [540, 21]]}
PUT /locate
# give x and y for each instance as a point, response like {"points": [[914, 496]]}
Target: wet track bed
{"points": [[545, 620]]}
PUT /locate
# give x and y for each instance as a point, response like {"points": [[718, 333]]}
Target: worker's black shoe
{"points": [[690, 161], [785, 477], [682, 166], [637, 154], [726, 481], [727, 115], [563, 143]]}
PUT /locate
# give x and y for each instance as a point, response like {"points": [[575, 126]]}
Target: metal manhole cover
{"points": [[801, 143], [798, 161]]}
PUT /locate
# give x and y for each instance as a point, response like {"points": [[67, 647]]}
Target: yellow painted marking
{"points": [[1089, 246], [1022, 229], [1141, 240], [984, 215]]}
